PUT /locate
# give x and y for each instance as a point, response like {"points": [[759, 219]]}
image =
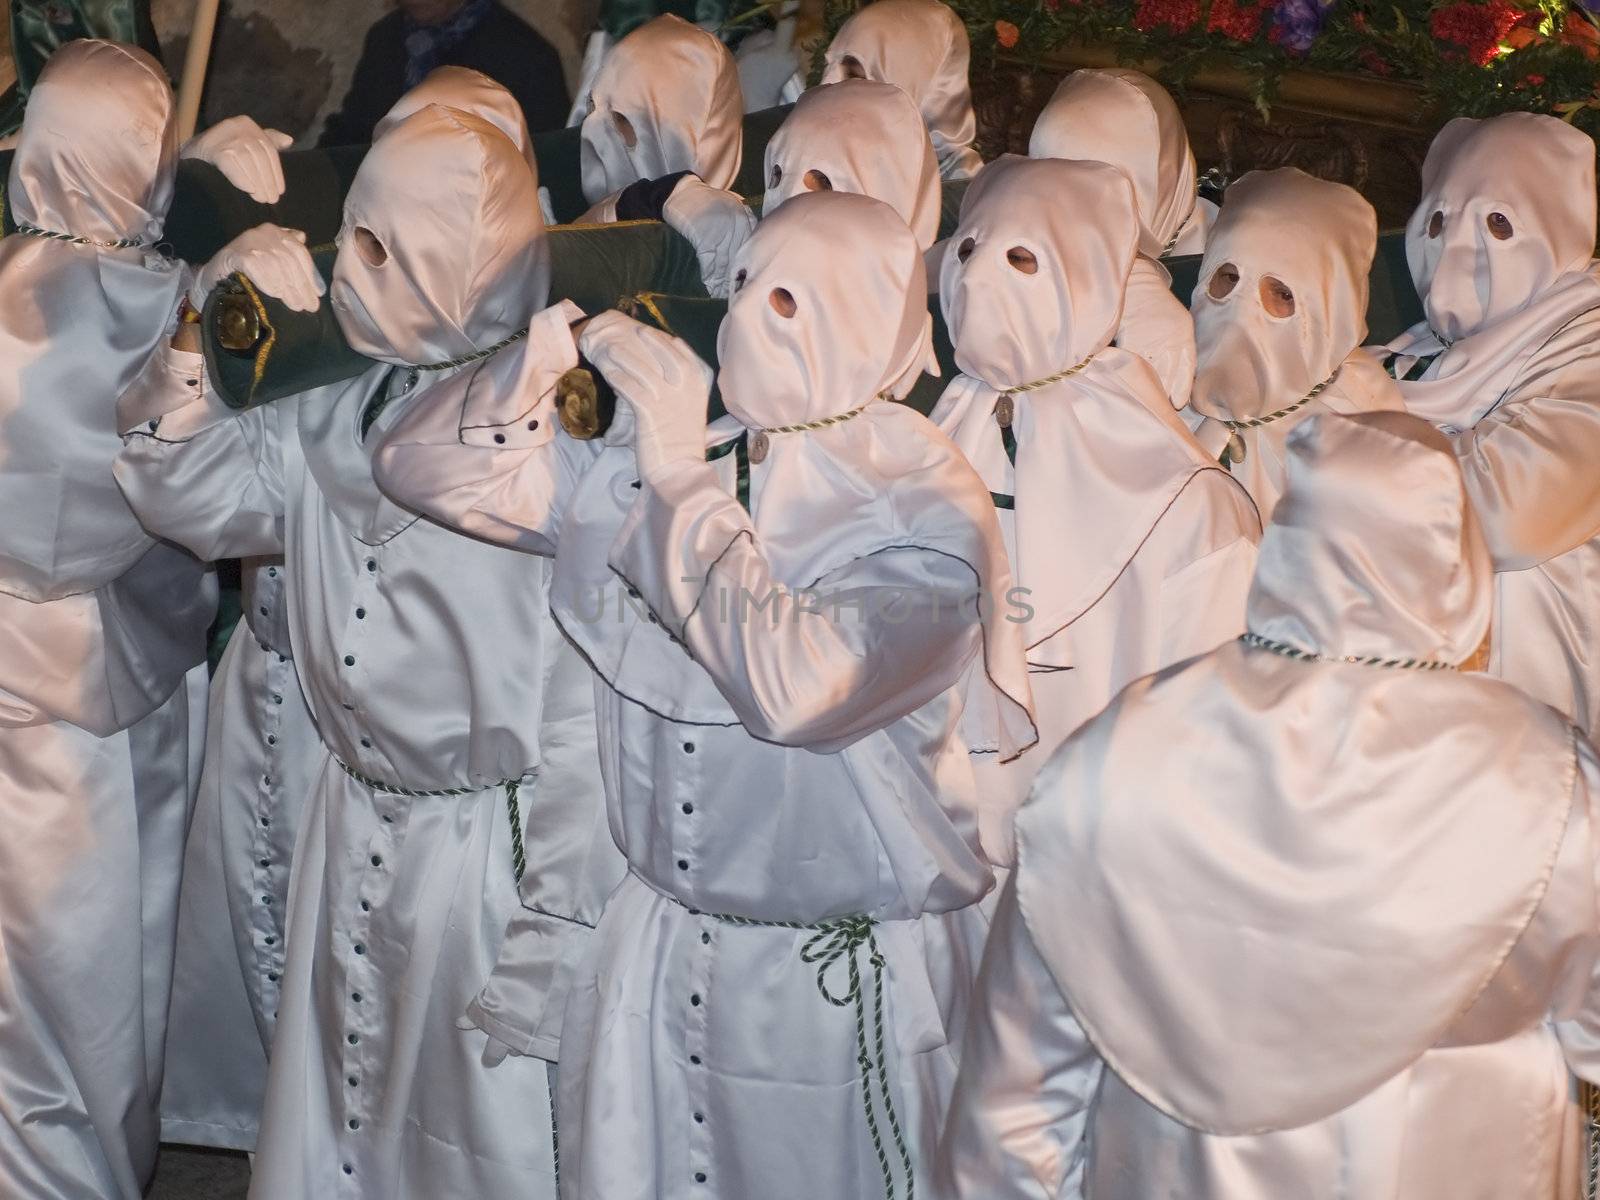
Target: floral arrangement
{"points": [[1469, 57]]}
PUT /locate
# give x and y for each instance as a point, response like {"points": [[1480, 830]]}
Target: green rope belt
{"points": [[838, 941], [55, 236], [519, 859], [1370, 660]]}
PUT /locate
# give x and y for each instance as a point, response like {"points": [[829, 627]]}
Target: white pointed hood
{"points": [[1129, 120], [867, 138], [1493, 301], [677, 86], [442, 255], [471, 92], [921, 47], [1099, 454], [1251, 846]]}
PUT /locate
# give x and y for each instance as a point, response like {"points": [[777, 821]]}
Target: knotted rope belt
{"points": [[519, 859], [839, 942]]}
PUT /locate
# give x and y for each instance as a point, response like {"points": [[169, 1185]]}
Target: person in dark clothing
{"points": [[420, 35]]}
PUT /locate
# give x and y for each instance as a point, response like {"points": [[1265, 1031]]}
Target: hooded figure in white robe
{"points": [[921, 47], [856, 136], [262, 756], [1132, 548], [452, 766], [796, 644], [1313, 915], [1280, 313], [1501, 251], [667, 101], [1129, 120], [102, 668]]}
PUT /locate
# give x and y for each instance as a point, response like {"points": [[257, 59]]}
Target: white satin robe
{"points": [[262, 754], [1361, 386], [689, 1040], [1530, 470], [1469, 1120], [102, 709], [423, 671]]}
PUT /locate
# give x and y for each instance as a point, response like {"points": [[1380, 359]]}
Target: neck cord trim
{"points": [[1367, 660], [56, 236]]}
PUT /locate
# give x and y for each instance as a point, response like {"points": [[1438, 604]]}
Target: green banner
{"points": [[40, 27]]}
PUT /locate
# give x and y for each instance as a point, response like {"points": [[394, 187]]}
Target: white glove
{"points": [[717, 224], [272, 258], [246, 154], [662, 382], [495, 1051]]}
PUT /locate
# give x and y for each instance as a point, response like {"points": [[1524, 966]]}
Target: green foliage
{"points": [[1467, 57]]}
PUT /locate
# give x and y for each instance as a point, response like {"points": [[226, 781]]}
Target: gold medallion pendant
{"points": [[759, 445], [1236, 447], [1005, 411]]}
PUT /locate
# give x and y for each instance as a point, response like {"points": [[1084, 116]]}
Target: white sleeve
{"points": [[1529, 464], [197, 472], [869, 644], [1157, 327], [492, 464], [1018, 1122]]}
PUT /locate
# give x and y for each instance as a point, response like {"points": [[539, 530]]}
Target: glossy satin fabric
{"points": [[426, 668], [89, 873], [1129, 120], [1132, 549], [102, 663], [1318, 239], [468, 91], [1536, 170], [790, 766], [1264, 906], [1516, 395], [867, 138], [103, 622], [262, 752], [679, 88], [921, 47]]}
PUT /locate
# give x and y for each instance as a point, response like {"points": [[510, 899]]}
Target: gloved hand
{"points": [[274, 259], [717, 224], [246, 154], [495, 1051], [662, 383]]}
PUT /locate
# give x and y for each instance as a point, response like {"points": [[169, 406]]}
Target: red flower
{"points": [[1477, 29], [1176, 15], [1006, 34], [1237, 19], [1373, 62], [1052, 5]]}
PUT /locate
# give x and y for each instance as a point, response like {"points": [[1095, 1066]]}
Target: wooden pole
{"points": [[195, 63]]}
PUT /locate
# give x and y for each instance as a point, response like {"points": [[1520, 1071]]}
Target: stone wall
{"points": [[287, 63]]}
